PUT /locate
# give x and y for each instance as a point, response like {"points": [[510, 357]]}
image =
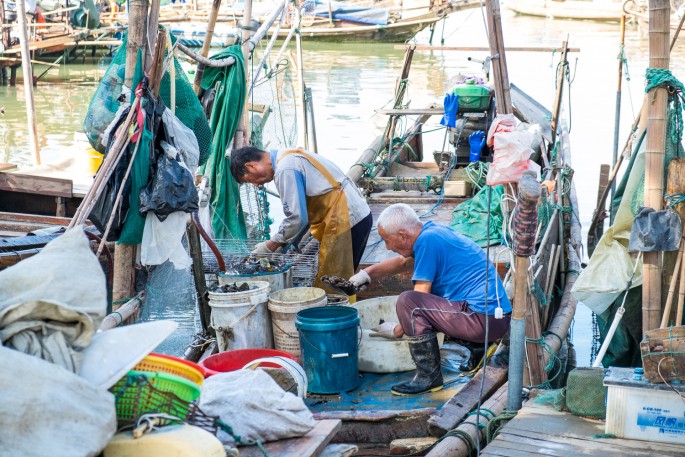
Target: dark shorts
{"points": [[422, 313], [360, 235]]}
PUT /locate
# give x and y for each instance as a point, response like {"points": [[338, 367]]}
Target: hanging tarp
{"points": [[353, 13], [228, 220], [602, 283], [470, 218]]}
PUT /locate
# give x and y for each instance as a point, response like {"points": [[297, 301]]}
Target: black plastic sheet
{"points": [[655, 231]]}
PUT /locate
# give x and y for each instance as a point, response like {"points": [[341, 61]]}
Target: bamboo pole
{"points": [[617, 113], [499, 61], [681, 296], [124, 312], [556, 109], [213, 14], [242, 133], [5, 36], [558, 328], [474, 425], [659, 32], [671, 288], [124, 254], [153, 26], [27, 71], [302, 135]]}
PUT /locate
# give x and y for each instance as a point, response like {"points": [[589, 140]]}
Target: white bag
{"points": [[49, 411], [254, 406]]}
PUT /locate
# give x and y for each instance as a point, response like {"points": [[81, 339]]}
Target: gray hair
{"points": [[398, 216]]}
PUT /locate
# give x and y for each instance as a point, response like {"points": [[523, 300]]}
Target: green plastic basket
{"points": [[141, 392]]}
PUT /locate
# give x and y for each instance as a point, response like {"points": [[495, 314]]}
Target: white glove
{"points": [[261, 248], [385, 330], [360, 279]]}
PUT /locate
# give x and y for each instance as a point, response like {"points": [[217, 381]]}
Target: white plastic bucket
{"points": [[241, 319], [381, 355], [284, 305]]}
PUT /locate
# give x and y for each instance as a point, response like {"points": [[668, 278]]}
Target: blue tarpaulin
{"points": [[350, 12]]}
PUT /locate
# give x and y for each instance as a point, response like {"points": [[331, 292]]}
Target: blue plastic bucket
{"points": [[330, 342]]}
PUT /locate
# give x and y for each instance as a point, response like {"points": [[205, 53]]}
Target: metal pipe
{"points": [[27, 71], [516, 352], [274, 36]]}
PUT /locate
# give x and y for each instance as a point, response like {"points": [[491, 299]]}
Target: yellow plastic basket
{"points": [[165, 364]]}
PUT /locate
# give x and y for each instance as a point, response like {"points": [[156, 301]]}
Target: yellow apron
{"points": [[329, 220]]}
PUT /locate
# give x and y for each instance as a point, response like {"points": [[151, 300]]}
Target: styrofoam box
{"points": [[640, 410]]}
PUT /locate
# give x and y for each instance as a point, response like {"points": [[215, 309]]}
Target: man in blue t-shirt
{"points": [[456, 289]]}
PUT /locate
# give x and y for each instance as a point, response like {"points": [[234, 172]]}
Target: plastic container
{"points": [[235, 360], [157, 363], [241, 319], [140, 392], [330, 343], [278, 280], [472, 97], [284, 305], [380, 355], [640, 410]]}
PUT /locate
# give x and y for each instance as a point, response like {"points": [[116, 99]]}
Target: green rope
{"points": [[480, 412], [674, 199], [494, 424], [463, 436], [477, 172], [661, 76], [553, 359], [237, 438]]}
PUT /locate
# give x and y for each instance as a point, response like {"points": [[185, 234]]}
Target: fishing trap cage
{"points": [[663, 354], [304, 264]]}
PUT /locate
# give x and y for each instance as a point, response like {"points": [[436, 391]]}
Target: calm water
{"points": [[350, 81]]}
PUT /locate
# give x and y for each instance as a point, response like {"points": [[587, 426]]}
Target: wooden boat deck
{"points": [[542, 430], [311, 444]]}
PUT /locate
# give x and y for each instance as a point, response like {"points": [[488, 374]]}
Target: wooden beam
{"points": [[31, 184], [484, 49], [466, 400]]}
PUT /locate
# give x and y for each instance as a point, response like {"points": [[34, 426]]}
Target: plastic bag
{"points": [[655, 231], [163, 240], [511, 156], [102, 211], [501, 123], [171, 189]]}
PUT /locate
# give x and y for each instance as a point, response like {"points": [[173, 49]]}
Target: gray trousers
{"points": [[421, 313]]}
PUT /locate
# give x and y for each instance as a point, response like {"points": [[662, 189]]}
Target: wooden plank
{"points": [[456, 409], [411, 111], [483, 48], [379, 426], [25, 242], [29, 184], [43, 44], [310, 445], [546, 423], [7, 166]]}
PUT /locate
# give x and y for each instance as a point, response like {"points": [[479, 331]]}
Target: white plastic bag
{"points": [[49, 411], [52, 303], [511, 156], [163, 240], [254, 406]]}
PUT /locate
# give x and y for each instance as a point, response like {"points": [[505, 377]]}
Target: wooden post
{"points": [[302, 136], [499, 61], [27, 70], [124, 254], [556, 108], [243, 132], [213, 14], [5, 37], [659, 33], [153, 25], [675, 184]]}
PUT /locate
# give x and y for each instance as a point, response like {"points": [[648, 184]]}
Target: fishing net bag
{"points": [[108, 99], [585, 392]]}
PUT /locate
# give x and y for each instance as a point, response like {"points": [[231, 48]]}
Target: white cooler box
{"points": [[641, 410]]}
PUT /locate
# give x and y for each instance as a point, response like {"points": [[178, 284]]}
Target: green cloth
{"points": [[470, 218], [228, 220], [132, 232]]}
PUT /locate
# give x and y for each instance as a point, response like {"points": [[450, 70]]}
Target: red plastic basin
{"points": [[238, 358]]}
